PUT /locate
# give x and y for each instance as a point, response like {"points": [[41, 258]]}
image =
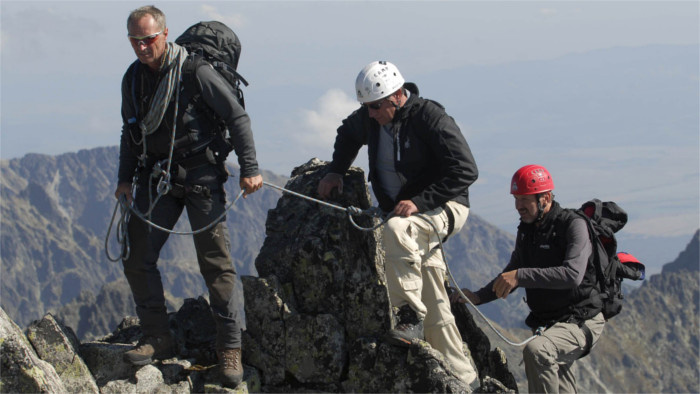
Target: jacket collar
{"points": [[412, 101], [546, 221]]}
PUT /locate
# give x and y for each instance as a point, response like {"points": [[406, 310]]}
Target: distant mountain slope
{"points": [[657, 333], [55, 212]]}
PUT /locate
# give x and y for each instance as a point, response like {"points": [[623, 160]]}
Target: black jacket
{"points": [[431, 156], [138, 86]]}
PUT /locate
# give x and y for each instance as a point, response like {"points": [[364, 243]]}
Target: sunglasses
{"points": [[144, 40], [375, 105]]}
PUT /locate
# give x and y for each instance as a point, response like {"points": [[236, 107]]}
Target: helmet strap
{"points": [[540, 208], [396, 103]]}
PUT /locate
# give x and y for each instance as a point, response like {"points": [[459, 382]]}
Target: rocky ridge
{"points": [[315, 316]]}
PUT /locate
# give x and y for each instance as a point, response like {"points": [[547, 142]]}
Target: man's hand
{"points": [[455, 297], [405, 208], [125, 189], [505, 283], [251, 184], [328, 183]]}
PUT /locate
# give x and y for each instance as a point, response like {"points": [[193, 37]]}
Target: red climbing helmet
{"points": [[531, 179]]}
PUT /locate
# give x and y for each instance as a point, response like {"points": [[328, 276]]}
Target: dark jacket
{"points": [[431, 156], [555, 267], [138, 86]]}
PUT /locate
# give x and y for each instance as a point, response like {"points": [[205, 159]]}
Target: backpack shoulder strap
{"points": [[134, 68], [190, 91]]}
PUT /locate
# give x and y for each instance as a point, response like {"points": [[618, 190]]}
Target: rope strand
{"points": [[351, 211]]}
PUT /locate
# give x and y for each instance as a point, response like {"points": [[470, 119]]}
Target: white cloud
{"points": [[319, 125], [548, 11], [233, 20]]}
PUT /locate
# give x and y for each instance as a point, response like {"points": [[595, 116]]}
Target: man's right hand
{"points": [[455, 297], [124, 188], [328, 183]]}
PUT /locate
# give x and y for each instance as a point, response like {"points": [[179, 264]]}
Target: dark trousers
{"points": [[213, 256]]}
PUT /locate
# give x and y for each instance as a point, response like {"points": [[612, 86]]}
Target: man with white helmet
{"points": [[419, 162]]}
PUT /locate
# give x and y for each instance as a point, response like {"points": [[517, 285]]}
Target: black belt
{"points": [[450, 221]]}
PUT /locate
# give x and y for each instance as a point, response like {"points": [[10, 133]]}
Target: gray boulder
{"points": [[59, 346], [22, 369]]}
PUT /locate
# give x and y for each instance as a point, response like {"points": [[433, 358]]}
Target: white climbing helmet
{"points": [[377, 80]]}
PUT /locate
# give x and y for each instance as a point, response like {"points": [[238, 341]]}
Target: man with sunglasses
{"points": [[419, 163], [162, 122]]}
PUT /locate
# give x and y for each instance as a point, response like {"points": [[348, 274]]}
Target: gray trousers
{"points": [[549, 359], [213, 256]]}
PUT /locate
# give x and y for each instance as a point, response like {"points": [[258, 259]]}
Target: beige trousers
{"points": [[415, 271], [549, 359]]}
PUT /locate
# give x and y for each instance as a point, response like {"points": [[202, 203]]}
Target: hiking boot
{"points": [[231, 367], [407, 328], [151, 347]]}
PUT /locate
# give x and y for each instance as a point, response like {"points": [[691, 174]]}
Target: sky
{"points": [[62, 64]]}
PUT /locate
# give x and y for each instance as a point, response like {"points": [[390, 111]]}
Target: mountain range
{"points": [[56, 211]]}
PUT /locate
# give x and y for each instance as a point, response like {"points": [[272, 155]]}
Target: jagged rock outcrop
{"points": [[59, 346], [55, 211], [192, 370], [318, 311]]}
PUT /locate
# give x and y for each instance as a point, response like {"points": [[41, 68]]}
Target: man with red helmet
{"points": [[551, 261]]}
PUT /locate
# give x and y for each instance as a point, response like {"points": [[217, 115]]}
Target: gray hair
{"points": [[151, 10]]}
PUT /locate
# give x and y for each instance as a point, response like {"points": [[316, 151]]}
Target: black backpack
{"points": [[216, 44], [604, 219], [211, 43]]}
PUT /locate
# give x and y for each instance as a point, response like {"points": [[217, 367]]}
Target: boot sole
{"points": [[231, 384], [150, 360], [139, 362]]}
